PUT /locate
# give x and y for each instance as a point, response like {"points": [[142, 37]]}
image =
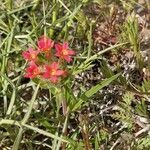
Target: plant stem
{"points": [[25, 119], [64, 132], [54, 17]]}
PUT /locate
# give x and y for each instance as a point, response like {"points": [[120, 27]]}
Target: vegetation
{"points": [[74, 74]]}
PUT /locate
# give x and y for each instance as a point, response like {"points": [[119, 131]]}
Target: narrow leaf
{"points": [[99, 86], [44, 133]]}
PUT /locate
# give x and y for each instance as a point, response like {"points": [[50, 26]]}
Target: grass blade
{"points": [[99, 86], [25, 119]]}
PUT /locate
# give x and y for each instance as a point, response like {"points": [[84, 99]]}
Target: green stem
{"points": [[13, 97], [64, 131], [54, 17], [10, 122], [25, 119], [44, 18], [9, 4], [12, 101], [16, 123]]}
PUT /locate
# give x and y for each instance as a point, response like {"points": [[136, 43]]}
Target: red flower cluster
{"points": [[49, 68]]}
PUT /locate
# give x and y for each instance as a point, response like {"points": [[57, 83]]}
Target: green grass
{"points": [[34, 115]]}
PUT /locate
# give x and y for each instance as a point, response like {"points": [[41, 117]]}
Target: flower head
{"points": [[30, 54], [63, 52], [52, 72], [45, 44], [32, 71]]}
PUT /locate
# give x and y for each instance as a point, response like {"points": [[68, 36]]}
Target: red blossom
{"points": [[52, 72], [32, 71], [63, 52], [45, 44], [30, 54]]}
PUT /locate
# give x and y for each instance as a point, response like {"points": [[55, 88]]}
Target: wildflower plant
{"points": [[47, 66]]}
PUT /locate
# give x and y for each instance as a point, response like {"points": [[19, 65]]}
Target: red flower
{"points": [[32, 71], [63, 52], [45, 44], [52, 72], [30, 54]]}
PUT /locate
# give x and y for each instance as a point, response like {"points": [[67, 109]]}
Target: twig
{"points": [[147, 128], [117, 141]]}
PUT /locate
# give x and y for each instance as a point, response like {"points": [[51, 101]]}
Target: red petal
{"points": [[41, 44], [26, 55], [65, 45], [54, 79], [47, 67], [46, 75], [57, 54], [32, 71], [58, 47], [31, 50], [54, 65], [71, 52], [68, 59], [59, 72], [45, 43]]}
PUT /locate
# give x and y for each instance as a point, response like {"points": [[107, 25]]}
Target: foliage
{"points": [[94, 106], [143, 143]]}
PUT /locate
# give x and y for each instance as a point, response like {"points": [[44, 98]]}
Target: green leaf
{"points": [[45, 133], [25, 119], [99, 86], [106, 70]]}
